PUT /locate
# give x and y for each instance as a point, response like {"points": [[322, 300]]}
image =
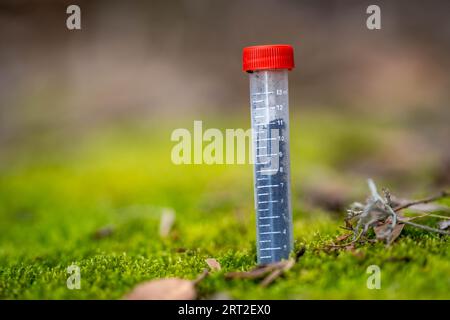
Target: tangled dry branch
{"points": [[385, 217]]}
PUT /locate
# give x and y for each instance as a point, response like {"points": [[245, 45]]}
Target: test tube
{"points": [[268, 68]]}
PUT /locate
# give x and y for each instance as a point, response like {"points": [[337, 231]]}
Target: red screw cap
{"points": [[279, 56]]}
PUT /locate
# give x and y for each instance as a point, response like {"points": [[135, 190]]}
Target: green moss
{"points": [[53, 203]]}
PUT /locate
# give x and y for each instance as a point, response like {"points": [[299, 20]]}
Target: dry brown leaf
{"points": [[396, 232], [164, 289], [381, 229], [167, 221], [213, 264]]}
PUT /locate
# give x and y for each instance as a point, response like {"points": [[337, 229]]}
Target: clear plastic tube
{"points": [[270, 123]]}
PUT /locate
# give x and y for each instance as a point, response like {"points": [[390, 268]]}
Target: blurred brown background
{"points": [[151, 58]]}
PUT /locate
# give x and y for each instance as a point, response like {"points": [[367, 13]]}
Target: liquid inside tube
{"points": [[270, 124]]}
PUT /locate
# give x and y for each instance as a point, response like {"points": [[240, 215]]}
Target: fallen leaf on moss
{"points": [[213, 264], [164, 289], [381, 231], [396, 232], [167, 289]]}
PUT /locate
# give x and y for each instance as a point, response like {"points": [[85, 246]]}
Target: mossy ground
{"points": [[54, 198]]}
